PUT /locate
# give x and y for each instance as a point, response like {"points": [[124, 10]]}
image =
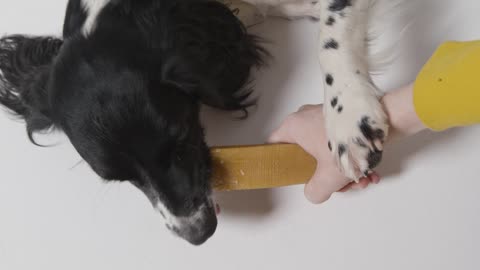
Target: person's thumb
{"points": [[282, 134]]}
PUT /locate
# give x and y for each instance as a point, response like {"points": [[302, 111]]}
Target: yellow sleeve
{"points": [[447, 90]]}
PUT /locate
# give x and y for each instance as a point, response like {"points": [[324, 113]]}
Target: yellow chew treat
{"points": [[260, 166]]}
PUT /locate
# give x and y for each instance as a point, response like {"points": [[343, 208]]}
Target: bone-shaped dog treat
{"points": [[260, 166]]}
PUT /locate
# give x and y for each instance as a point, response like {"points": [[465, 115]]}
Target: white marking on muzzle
{"points": [[173, 221], [93, 8]]}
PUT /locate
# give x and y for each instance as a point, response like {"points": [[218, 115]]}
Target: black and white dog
{"points": [[126, 81]]}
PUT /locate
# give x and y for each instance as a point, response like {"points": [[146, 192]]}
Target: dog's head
{"points": [[128, 128], [129, 102]]}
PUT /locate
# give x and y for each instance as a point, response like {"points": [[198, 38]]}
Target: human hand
{"points": [[306, 127]]}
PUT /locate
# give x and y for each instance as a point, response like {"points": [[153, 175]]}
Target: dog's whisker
{"points": [[76, 164]]}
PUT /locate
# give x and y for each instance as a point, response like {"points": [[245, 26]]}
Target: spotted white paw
{"points": [[356, 127]]}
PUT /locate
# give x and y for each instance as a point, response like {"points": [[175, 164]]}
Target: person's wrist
{"points": [[401, 113]]}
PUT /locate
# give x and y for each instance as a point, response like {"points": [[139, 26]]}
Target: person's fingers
{"points": [[346, 188], [363, 183], [325, 182], [374, 178]]}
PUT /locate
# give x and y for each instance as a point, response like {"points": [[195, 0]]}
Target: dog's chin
{"points": [[196, 228], [200, 233]]}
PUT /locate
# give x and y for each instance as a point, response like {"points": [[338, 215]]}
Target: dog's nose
{"points": [[201, 235]]}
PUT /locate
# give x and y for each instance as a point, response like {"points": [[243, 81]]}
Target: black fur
{"points": [[358, 141], [374, 157], [74, 18], [370, 133], [331, 44], [342, 148], [330, 21], [128, 94], [329, 79], [339, 5], [334, 102], [25, 65]]}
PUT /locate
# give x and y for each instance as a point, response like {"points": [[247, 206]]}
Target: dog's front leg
{"points": [[355, 121], [287, 9]]}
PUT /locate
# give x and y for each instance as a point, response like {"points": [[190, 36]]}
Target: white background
{"points": [[424, 215]]}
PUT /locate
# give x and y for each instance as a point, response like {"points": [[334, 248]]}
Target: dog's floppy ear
{"points": [[25, 64], [212, 55], [172, 102]]}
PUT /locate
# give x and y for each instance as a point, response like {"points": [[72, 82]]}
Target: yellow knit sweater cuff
{"points": [[447, 90]]}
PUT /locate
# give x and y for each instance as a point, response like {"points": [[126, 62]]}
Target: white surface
{"points": [[425, 215]]}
